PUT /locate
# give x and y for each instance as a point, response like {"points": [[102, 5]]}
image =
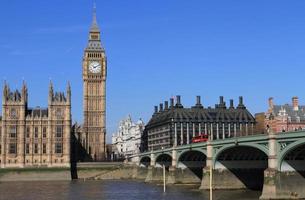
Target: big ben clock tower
{"points": [[94, 87]]}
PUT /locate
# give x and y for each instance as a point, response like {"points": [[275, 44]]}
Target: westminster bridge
{"points": [[272, 163]]}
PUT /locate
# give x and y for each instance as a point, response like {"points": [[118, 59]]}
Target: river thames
{"points": [[111, 190]]}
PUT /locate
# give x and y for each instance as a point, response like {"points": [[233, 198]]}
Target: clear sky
{"points": [[157, 49]]}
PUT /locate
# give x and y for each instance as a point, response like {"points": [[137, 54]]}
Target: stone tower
{"points": [[35, 137], [94, 87], [14, 106]]}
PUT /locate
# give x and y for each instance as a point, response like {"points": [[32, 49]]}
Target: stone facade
{"points": [[94, 97], [127, 140], [284, 118], [44, 137], [35, 137], [175, 125]]}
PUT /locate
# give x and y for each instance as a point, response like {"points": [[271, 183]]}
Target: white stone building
{"points": [[127, 140]]}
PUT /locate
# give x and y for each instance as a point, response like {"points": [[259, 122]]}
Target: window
{"points": [[36, 148], [36, 132], [13, 148], [13, 131], [44, 148], [59, 131], [13, 113], [44, 132], [59, 113], [28, 131], [27, 149], [58, 148]]}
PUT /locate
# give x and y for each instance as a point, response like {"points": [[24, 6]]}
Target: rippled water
{"points": [[111, 190]]}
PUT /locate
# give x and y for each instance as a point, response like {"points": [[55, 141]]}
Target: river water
{"points": [[111, 190]]}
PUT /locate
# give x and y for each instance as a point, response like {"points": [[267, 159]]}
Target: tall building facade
{"points": [[127, 140], [287, 117], [94, 97], [35, 137], [173, 125]]}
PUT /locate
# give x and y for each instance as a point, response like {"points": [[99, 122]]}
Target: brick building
{"points": [[287, 117]]}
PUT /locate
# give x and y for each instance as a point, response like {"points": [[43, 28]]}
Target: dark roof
{"points": [[37, 112], [288, 110], [205, 115]]}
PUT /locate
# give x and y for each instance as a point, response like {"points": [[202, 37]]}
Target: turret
{"points": [[51, 92], [69, 92], [5, 92], [24, 93]]}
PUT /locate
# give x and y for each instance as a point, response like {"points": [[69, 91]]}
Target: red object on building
{"points": [[200, 138], [284, 118]]}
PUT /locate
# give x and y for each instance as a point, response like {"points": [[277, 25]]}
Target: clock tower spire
{"points": [[94, 97]]}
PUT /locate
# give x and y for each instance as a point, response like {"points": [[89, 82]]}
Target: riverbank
{"points": [[84, 171], [35, 174]]}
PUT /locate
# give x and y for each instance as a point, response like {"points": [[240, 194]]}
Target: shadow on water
{"points": [[253, 179], [296, 159]]}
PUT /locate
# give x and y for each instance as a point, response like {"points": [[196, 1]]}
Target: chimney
{"points": [[241, 100], [221, 100], [166, 105], [271, 104], [231, 104], [179, 105], [241, 103], [156, 109], [221, 104], [198, 103], [178, 99], [172, 102], [295, 103], [161, 107]]}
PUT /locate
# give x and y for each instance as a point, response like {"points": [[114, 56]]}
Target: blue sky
{"points": [[157, 49]]}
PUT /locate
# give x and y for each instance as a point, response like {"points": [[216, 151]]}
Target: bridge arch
{"points": [[164, 159], [194, 161], [145, 161], [292, 157], [244, 163], [226, 147], [180, 153]]}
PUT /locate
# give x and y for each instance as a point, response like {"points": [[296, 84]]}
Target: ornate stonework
{"points": [[94, 86], [35, 137]]}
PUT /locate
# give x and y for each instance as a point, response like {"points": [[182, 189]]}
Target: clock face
{"points": [[95, 67]]}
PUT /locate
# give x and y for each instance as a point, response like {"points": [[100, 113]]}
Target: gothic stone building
{"points": [[175, 125], [35, 137], [41, 137]]}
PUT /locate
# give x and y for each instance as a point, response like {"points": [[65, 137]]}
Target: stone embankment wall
{"points": [[85, 171], [61, 174]]}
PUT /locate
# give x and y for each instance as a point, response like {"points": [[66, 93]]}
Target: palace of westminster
{"points": [[45, 137]]}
